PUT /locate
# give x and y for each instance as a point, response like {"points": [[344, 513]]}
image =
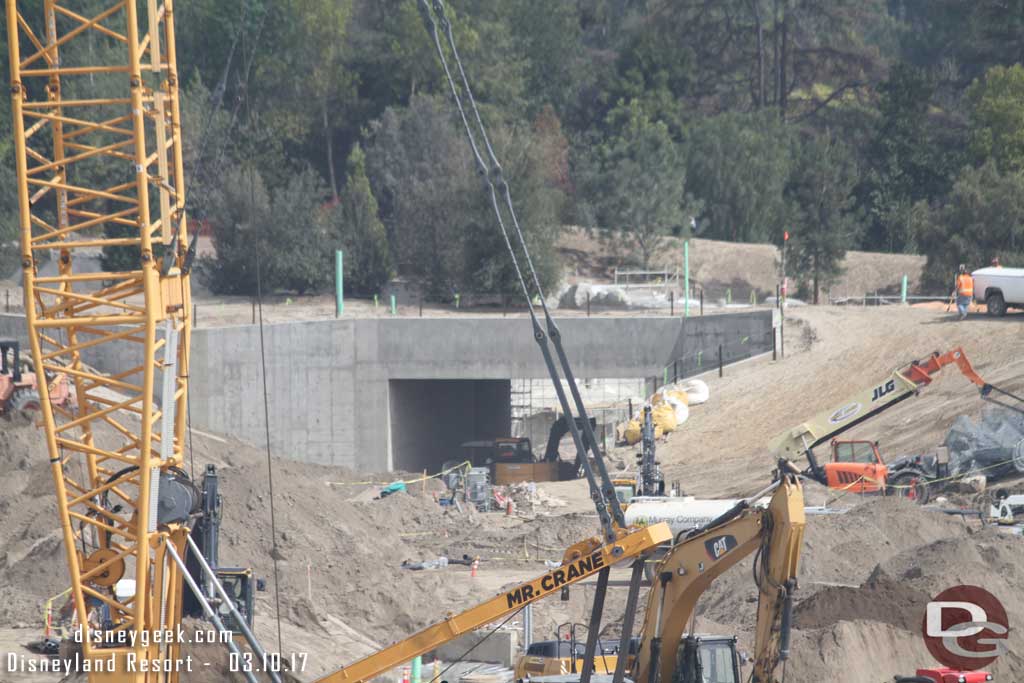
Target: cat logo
{"points": [[844, 413], [719, 546]]}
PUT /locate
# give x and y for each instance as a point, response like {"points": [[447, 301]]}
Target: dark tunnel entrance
{"points": [[431, 419]]}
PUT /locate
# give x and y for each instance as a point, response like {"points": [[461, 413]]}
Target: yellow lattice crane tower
{"points": [[98, 146]]}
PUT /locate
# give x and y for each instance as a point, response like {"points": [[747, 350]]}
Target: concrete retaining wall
{"points": [[329, 380]]}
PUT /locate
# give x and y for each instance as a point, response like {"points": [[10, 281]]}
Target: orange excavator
{"points": [[857, 465]]}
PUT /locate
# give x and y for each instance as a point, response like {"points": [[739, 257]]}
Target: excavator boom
{"points": [[775, 533]]}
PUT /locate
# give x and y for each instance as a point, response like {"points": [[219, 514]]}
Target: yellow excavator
{"points": [[774, 533]]}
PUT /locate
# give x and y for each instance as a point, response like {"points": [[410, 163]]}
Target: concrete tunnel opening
{"points": [[431, 419]]}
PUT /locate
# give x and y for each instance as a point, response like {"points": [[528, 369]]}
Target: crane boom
{"points": [[581, 561], [116, 451]]}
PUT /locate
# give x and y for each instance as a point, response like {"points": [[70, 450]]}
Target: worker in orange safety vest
{"points": [[964, 291]]}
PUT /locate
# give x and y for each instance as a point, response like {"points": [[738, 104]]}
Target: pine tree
{"points": [[360, 232]]}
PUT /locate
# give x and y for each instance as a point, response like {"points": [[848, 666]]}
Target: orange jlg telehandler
{"points": [[857, 465]]}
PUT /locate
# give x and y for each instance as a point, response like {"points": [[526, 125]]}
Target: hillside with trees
{"points": [[315, 125]]}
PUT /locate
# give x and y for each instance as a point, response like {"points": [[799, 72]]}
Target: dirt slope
{"points": [[831, 353], [716, 265]]}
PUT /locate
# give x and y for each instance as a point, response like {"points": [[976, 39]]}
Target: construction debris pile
{"points": [[992, 446]]}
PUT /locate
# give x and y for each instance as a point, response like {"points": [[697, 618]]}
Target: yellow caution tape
{"points": [[466, 464]]}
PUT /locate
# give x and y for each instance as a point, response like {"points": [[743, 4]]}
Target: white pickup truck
{"points": [[999, 288]]}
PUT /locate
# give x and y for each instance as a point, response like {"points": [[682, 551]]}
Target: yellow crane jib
{"points": [[581, 561], [116, 449]]}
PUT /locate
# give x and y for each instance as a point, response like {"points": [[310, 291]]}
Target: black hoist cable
{"points": [[608, 509]]}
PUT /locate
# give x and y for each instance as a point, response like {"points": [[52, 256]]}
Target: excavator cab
{"points": [[239, 584], [707, 659], [856, 466]]}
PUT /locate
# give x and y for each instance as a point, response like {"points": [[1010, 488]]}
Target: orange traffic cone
{"points": [[405, 674], [473, 567]]}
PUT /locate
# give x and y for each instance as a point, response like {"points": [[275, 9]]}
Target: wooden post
{"points": [[588, 304], [421, 305], [254, 311]]}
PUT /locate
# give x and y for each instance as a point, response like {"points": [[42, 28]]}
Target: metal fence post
{"points": [[339, 283], [686, 278], [719, 360], [672, 303], [588, 304], [702, 301]]}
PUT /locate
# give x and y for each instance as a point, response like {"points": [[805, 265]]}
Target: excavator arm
{"points": [[774, 533], [899, 386], [581, 561]]}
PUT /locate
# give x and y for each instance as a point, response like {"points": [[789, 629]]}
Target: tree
{"points": [[439, 218], [982, 217], [285, 229], [357, 227], [819, 192], [909, 159], [9, 228], [997, 117], [736, 165], [635, 183]]}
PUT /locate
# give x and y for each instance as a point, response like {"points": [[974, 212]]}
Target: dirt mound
{"points": [[864, 580], [880, 600]]}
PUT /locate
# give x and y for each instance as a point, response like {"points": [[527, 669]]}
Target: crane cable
{"points": [[603, 493], [274, 552]]}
